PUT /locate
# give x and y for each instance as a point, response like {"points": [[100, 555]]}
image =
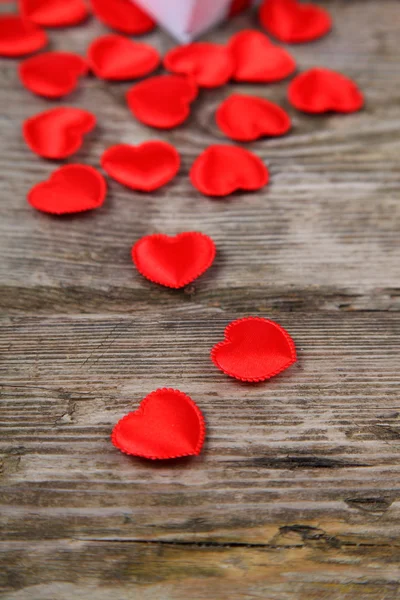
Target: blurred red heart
{"points": [[52, 74], [322, 90], [58, 133], [221, 170], [54, 13], [146, 167], [162, 101], [256, 59], [70, 189], [238, 6], [210, 65], [122, 15], [19, 37], [292, 22], [118, 58], [173, 261], [167, 424], [246, 118], [254, 349]]}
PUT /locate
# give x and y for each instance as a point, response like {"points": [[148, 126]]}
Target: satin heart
{"points": [[322, 90], [117, 58], [146, 167], [70, 189], [54, 13], [57, 133], [238, 6], [19, 37], [292, 22], [52, 74], [221, 170], [173, 261], [254, 349], [167, 424], [123, 16], [246, 118], [256, 59], [162, 101], [210, 65]]}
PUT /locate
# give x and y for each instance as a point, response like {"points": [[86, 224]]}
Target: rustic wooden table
{"points": [[296, 495]]}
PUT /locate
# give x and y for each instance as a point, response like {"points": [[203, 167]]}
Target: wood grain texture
{"points": [[296, 495]]}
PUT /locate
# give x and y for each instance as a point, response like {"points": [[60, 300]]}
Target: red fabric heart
{"points": [[54, 13], [221, 170], [292, 22], [254, 349], [238, 6], [162, 101], [256, 59], [246, 118], [52, 74], [70, 189], [117, 58], [167, 424], [58, 133], [123, 16], [173, 261], [322, 90], [146, 167], [19, 37], [210, 65]]}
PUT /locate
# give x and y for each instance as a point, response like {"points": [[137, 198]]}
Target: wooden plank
{"points": [[322, 235]]}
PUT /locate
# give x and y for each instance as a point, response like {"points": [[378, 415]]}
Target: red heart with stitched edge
{"points": [[221, 170], [162, 101], [173, 261], [321, 90], [123, 16], [54, 13], [210, 65], [246, 118], [117, 58], [167, 424], [58, 133], [52, 74], [70, 189], [292, 22], [19, 37], [256, 59], [254, 349], [146, 167]]}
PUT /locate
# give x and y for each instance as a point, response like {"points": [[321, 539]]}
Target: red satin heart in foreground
{"points": [[322, 90], [256, 59], [58, 133], [19, 37], [246, 118], [292, 22], [162, 101], [123, 16], [146, 167], [70, 189], [167, 424], [54, 13], [210, 65], [221, 170], [117, 58], [254, 349], [173, 261], [52, 74]]}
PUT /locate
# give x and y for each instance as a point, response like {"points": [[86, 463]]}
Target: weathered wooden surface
{"points": [[297, 493]]}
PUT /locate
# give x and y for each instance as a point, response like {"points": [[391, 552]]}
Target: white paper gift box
{"points": [[186, 19]]}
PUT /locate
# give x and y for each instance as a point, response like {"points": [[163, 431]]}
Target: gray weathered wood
{"points": [[296, 495]]}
